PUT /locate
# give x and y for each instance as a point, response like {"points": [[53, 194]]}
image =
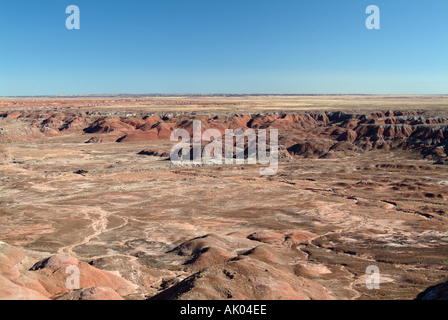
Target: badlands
{"points": [[86, 181]]}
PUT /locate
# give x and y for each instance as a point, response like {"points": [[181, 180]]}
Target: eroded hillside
{"points": [[95, 190]]}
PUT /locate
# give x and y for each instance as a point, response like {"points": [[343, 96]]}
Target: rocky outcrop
{"points": [[238, 266], [437, 292]]}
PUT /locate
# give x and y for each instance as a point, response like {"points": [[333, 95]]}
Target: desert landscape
{"points": [[87, 181]]}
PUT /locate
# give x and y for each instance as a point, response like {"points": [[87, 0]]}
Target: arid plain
{"points": [[87, 181]]}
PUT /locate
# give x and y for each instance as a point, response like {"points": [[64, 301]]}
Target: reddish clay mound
{"points": [[51, 273], [312, 148], [155, 153], [55, 262], [207, 257], [104, 138], [349, 136], [109, 125], [308, 135], [148, 132], [226, 269]]}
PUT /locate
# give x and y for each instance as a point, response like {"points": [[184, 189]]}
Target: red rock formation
{"points": [[51, 273], [104, 138], [267, 237], [244, 279], [258, 272], [349, 136], [312, 148], [163, 130], [11, 291], [78, 124], [303, 134]]}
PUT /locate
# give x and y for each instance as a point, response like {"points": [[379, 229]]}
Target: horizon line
{"points": [[227, 94]]}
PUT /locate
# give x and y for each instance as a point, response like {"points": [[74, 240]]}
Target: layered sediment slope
{"points": [[4, 154]]}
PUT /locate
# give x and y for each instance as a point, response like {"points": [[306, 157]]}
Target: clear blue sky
{"points": [[223, 46]]}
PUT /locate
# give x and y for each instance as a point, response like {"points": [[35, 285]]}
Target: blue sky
{"points": [[223, 46]]}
